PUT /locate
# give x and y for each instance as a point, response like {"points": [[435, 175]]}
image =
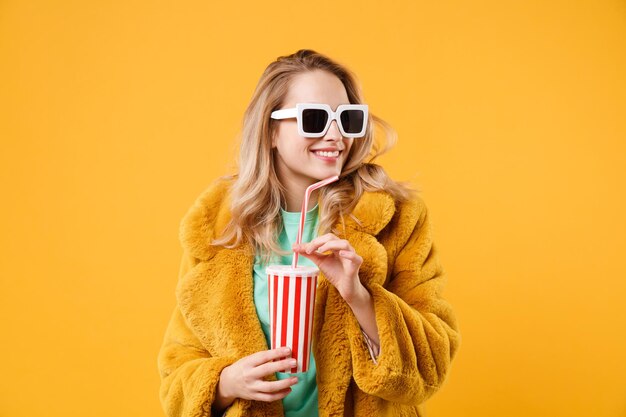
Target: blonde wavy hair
{"points": [[256, 195]]}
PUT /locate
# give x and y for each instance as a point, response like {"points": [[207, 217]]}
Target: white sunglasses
{"points": [[314, 119]]}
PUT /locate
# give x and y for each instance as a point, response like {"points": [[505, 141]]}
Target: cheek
{"points": [[291, 147], [280, 132], [348, 144], [288, 139]]}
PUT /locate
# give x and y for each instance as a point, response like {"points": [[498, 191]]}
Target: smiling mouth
{"points": [[330, 155]]}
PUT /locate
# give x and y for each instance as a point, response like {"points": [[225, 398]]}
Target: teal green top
{"points": [[302, 400]]}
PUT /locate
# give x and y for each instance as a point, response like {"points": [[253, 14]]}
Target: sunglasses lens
{"points": [[314, 120], [352, 120]]}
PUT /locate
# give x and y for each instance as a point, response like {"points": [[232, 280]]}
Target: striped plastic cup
{"points": [[292, 301]]}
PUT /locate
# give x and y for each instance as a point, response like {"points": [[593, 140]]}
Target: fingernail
{"points": [[293, 363], [286, 350]]}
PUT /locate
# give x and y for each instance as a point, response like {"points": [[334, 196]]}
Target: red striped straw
{"points": [[305, 204]]}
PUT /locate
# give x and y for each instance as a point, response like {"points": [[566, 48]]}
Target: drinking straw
{"points": [[305, 204]]}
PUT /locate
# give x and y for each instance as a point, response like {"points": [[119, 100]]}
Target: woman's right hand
{"points": [[246, 378]]}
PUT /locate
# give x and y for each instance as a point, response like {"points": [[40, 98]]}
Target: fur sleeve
{"points": [[418, 330], [189, 375]]}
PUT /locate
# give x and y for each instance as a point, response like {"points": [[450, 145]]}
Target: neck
{"points": [[296, 189]]}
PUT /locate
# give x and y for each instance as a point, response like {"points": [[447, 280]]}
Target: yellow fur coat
{"points": [[214, 322]]}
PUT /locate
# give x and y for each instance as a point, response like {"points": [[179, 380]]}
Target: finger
{"points": [[352, 256], [335, 245], [318, 241], [272, 367], [264, 356], [262, 396], [316, 258], [307, 248], [276, 386]]}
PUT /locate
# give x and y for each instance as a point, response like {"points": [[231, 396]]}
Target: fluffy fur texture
{"points": [[215, 323]]}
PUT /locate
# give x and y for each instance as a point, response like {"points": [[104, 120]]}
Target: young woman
{"points": [[383, 336]]}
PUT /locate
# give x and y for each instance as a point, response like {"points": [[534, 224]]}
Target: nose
{"points": [[333, 132]]}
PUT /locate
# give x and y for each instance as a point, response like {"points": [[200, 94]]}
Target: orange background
{"points": [[511, 117]]}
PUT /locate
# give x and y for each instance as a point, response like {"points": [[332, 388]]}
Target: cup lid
{"points": [[287, 269]]}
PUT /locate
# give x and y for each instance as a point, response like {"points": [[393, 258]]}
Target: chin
{"points": [[319, 176], [327, 174]]}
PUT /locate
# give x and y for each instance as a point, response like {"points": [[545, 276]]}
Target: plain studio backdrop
{"points": [[511, 118]]}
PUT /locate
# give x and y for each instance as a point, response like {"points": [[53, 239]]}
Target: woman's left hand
{"points": [[340, 266]]}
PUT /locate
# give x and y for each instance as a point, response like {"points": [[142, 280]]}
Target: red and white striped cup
{"points": [[292, 301]]}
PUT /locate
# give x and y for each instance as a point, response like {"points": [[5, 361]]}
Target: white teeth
{"points": [[333, 154]]}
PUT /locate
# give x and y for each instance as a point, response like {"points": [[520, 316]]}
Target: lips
{"points": [[327, 154], [329, 157]]}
